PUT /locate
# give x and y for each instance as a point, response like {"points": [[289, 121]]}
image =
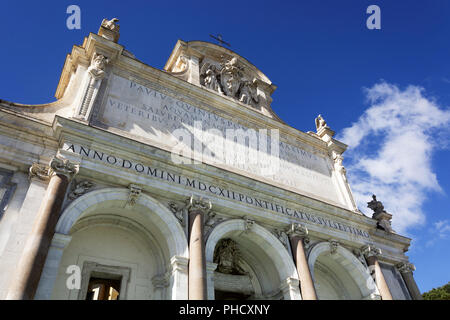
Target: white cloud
{"points": [[442, 228], [390, 151]]}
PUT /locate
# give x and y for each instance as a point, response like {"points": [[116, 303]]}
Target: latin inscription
{"points": [[148, 113], [157, 173]]}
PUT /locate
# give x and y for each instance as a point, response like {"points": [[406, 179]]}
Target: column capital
{"points": [[179, 263], [370, 251], [297, 229], [199, 204], [405, 267], [63, 167], [40, 171]]}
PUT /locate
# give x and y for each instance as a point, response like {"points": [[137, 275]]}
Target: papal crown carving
{"points": [[229, 78]]}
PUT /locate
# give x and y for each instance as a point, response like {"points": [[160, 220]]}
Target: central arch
{"points": [[269, 260]]}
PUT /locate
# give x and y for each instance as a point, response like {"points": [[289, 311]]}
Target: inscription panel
{"points": [[156, 117]]}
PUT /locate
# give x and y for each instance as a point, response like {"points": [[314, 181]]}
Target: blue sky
{"points": [[385, 92]]}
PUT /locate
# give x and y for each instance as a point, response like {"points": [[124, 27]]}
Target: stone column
{"points": [[371, 253], [406, 269], [51, 266], [31, 263], [297, 234], [197, 259]]}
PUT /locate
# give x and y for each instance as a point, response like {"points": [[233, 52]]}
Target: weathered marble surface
{"points": [[154, 116]]}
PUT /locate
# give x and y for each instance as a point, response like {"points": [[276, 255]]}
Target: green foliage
{"points": [[441, 293]]}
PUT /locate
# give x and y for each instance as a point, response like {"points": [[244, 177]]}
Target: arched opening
{"points": [[126, 250], [249, 263], [339, 275]]}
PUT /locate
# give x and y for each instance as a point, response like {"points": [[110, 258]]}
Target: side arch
{"points": [[272, 255], [348, 262]]}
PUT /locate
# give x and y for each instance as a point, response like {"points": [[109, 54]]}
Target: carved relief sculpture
{"points": [[97, 67], [79, 189], [96, 72], [228, 78], [135, 191], [333, 246], [227, 256]]}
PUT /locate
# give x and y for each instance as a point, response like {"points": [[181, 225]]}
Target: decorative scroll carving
{"points": [[297, 229], [227, 256], [200, 204], [405, 267], [64, 167], [79, 189], [39, 171], [228, 78], [135, 192], [383, 218]]}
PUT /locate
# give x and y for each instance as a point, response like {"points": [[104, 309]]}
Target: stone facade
{"points": [[126, 175]]}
